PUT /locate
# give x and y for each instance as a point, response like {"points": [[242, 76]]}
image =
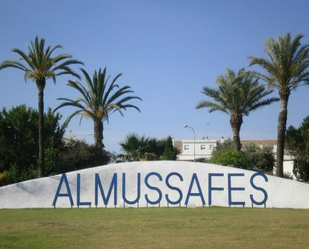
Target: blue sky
{"points": [[167, 51]]}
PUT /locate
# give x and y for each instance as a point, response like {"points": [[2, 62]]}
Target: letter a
{"points": [[199, 193], [67, 194]]}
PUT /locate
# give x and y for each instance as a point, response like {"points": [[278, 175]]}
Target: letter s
{"points": [[259, 189]]}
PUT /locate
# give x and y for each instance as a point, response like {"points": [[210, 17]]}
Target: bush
{"points": [[79, 155], [231, 157], [5, 178], [18, 174], [251, 157], [51, 156], [261, 159], [226, 145]]}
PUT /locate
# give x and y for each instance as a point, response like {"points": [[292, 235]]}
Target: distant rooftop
{"points": [[260, 142], [265, 143]]}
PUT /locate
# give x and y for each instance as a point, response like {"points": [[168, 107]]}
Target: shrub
{"points": [[18, 174], [226, 145], [261, 159], [231, 157], [251, 157], [51, 156], [79, 155], [5, 178]]}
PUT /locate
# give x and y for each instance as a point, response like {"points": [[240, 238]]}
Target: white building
{"points": [[204, 148]]}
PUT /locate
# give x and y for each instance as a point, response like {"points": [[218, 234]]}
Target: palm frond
{"points": [[39, 64], [288, 64], [212, 106], [237, 94], [107, 99], [12, 63], [69, 72], [262, 103], [61, 57], [88, 81], [68, 120], [99, 99], [49, 51], [24, 57]]}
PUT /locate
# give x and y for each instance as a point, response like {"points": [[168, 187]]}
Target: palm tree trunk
{"points": [[98, 133], [236, 122], [41, 85], [284, 98]]}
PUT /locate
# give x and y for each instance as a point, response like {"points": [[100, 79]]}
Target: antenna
{"points": [[207, 131]]}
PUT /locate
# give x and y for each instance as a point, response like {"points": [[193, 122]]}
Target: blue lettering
{"points": [[68, 194], [230, 189], [210, 188], [153, 188], [258, 188], [98, 185], [173, 188], [200, 194], [79, 203], [124, 189]]}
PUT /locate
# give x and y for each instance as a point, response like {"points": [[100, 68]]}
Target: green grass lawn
{"points": [[154, 228]]}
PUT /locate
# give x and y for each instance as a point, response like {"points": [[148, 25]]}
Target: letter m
{"points": [[98, 186]]}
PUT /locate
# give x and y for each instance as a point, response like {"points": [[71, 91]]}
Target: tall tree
{"points": [[297, 143], [19, 139], [39, 66], [286, 70], [99, 100], [237, 95], [170, 152]]}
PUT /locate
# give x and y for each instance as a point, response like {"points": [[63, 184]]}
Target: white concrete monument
{"points": [[160, 184]]}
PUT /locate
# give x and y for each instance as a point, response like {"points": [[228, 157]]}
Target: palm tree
{"points": [[39, 66], [286, 70], [137, 148], [141, 148], [237, 95], [99, 101]]}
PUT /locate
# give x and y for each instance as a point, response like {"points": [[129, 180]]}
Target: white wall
{"points": [[40, 193], [288, 165], [188, 154]]}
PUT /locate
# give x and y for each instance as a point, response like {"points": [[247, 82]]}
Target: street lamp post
{"points": [[187, 126]]}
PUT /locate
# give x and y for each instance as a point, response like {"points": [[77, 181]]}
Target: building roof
{"points": [[265, 142]]}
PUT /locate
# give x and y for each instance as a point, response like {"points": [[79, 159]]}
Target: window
{"points": [[186, 147], [203, 147], [211, 147]]}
